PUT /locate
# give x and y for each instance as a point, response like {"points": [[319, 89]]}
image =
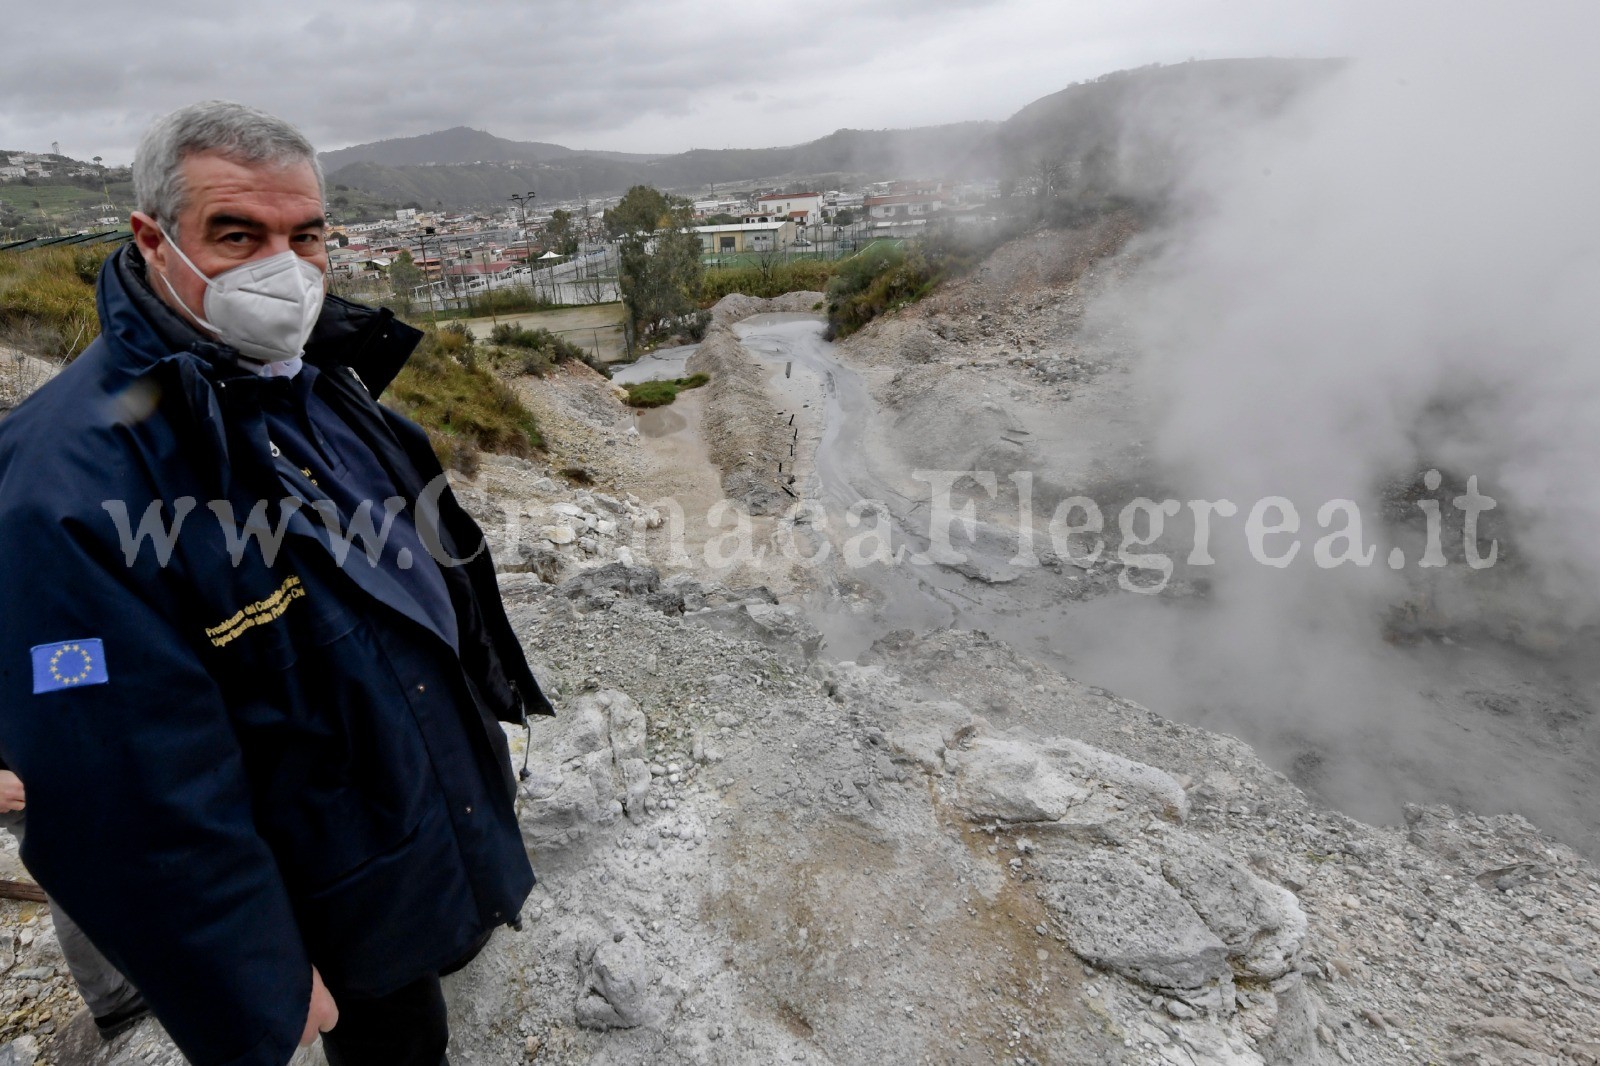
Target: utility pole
{"points": [[422, 240], [488, 291], [522, 203]]}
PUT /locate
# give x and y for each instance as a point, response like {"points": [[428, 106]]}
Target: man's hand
{"points": [[12, 796], [324, 1013]]}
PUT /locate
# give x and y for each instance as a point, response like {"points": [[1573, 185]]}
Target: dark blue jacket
{"points": [[240, 763]]}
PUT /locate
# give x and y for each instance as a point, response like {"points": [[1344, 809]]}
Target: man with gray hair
{"points": [[265, 774]]}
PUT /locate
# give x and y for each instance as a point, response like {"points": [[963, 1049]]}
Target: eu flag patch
{"points": [[68, 664]]}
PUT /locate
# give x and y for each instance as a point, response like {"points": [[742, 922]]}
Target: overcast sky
{"points": [[629, 75]]}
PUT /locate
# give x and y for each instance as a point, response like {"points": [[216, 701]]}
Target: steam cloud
{"points": [[1398, 273]]}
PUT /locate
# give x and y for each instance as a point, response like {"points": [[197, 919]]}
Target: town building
{"points": [[906, 201], [706, 208], [801, 208], [769, 236]]}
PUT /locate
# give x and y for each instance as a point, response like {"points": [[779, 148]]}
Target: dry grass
{"points": [[47, 299], [464, 407]]}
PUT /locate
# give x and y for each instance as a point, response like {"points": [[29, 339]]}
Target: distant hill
{"points": [[480, 184], [926, 150], [1117, 132], [564, 174]]}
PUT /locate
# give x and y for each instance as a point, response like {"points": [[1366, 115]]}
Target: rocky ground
{"points": [[20, 374], [945, 852], [1016, 367]]}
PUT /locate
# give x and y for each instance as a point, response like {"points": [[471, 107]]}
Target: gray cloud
{"points": [[620, 74]]}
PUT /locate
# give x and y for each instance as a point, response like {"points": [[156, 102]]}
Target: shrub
{"points": [[455, 337], [885, 277], [879, 279], [463, 406], [767, 279], [695, 325], [535, 364], [542, 349], [456, 452], [661, 393], [522, 337]]}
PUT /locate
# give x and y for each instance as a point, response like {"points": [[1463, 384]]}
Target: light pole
{"points": [[522, 203], [487, 289], [422, 240]]}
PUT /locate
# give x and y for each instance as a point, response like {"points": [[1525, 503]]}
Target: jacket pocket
{"points": [[401, 914], [341, 772]]}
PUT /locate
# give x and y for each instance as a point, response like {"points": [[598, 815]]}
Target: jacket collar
{"points": [[369, 340]]}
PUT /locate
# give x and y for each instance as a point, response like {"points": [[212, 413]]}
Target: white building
{"points": [[705, 208], [801, 208], [904, 206]]}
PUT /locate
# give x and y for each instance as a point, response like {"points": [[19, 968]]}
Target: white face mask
{"points": [[265, 308]]}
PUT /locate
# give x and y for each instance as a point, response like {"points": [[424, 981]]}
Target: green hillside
{"points": [[35, 207]]}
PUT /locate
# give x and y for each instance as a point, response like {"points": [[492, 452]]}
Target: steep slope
{"points": [[1126, 132]]}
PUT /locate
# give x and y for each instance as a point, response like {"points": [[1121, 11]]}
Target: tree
{"points": [[1049, 172], [641, 210], [1100, 172], [660, 257], [843, 217], [766, 264], [404, 277], [560, 234]]}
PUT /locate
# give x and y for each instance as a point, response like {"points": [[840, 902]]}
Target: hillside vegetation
{"points": [[767, 279], [50, 206], [663, 392], [47, 300], [536, 351], [463, 405]]}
